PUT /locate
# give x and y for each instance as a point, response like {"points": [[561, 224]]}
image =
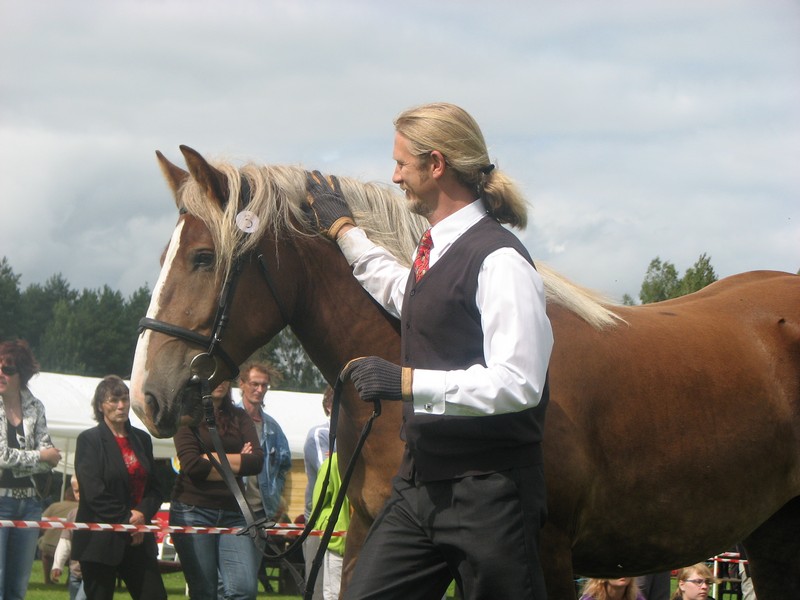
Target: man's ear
{"points": [[437, 164]]}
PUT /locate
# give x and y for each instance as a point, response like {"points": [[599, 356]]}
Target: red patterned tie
{"points": [[423, 254]]}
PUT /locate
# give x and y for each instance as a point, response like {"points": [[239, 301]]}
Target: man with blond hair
{"points": [[469, 500]]}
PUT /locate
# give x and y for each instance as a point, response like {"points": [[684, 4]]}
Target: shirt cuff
{"points": [[406, 384], [429, 391], [354, 243]]}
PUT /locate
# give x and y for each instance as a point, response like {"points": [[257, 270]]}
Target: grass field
{"points": [[174, 583]]}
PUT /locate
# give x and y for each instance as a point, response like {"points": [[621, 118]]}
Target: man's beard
{"points": [[416, 205]]}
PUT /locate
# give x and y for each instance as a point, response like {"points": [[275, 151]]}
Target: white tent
{"points": [[67, 400]]}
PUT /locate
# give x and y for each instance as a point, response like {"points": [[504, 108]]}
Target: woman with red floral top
{"points": [[114, 463]]}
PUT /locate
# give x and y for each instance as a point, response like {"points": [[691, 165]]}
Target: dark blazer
{"points": [[105, 493]]}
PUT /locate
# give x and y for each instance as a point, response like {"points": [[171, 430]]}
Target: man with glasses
{"points": [[265, 494]]}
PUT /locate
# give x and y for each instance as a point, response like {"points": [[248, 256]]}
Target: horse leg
{"points": [[556, 557], [773, 551]]}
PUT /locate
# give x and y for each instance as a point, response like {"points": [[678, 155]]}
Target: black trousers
{"points": [[138, 569], [482, 531]]}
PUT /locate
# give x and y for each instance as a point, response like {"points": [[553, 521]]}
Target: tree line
{"points": [[661, 281], [93, 332]]}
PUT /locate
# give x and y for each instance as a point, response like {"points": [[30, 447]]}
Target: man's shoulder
{"points": [[487, 236], [488, 227], [269, 420]]}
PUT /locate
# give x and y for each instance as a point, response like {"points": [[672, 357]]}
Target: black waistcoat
{"points": [[441, 330]]}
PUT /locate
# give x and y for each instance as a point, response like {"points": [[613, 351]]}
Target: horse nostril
{"points": [[152, 407]]}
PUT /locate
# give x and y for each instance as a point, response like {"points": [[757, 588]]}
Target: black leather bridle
{"points": [[204, 365]]}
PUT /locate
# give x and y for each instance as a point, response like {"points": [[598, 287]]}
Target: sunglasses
{"points": [[9, 370]]}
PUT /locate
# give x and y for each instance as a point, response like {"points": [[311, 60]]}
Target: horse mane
{"points": [[589, 305], [277, 193]]}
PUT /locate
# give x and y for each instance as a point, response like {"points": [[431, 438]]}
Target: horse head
{"points": [[239, 267], [188, 334]]}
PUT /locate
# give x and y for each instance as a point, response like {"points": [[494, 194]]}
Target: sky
{"points": [[663, 128]]}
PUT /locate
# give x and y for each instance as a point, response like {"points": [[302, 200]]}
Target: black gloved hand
{"points": [[327, 211], [375, 378]]}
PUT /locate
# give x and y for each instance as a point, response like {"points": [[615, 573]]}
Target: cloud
{"points": [[667, 128]]}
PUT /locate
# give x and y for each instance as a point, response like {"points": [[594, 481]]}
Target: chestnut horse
{"points": [[673, 429]]}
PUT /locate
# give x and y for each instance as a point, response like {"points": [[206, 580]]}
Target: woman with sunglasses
{"points": [[694, 583], [25, 450]]}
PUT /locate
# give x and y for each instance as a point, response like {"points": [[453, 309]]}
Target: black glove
{"points": [[375, 378], [327, 211]]}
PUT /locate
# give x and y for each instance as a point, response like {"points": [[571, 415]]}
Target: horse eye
{"points": [[203, 260]]}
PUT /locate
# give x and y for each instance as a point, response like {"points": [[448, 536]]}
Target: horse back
{"points": [[676, 394]]}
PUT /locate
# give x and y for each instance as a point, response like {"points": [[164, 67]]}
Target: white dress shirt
{"points": [[517, 337]]}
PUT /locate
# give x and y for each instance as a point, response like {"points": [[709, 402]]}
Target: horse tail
{"points": [[591, 306]]}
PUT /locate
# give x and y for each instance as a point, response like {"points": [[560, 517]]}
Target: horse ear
{"points": [[174, 175], [213, 181]]}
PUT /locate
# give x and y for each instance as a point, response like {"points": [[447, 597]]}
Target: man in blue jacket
{"points": [[265, 495]]}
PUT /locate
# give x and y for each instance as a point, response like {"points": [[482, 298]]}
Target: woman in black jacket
{"points": [[114, 464]]}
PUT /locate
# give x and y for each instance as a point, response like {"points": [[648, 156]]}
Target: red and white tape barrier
{"points": [[54, 523], [729, 557]]}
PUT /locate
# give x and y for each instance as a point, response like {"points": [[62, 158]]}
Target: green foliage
{"points": [[698, 275], [9, 301], [174, 583], [287, 355], [90, 335], [661, 282], [62, 342], [94, 332], [627, 300], [38, 305], [137, 306]]}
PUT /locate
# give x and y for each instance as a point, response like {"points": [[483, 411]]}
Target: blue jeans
{"points": [[17, 546], [204, 556], [75, 587]]}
